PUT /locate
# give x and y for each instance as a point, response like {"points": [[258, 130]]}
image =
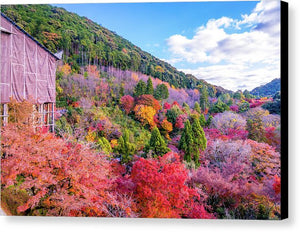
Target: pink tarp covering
{"points": [[27, 70]]}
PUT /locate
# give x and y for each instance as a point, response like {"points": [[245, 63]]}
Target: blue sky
{"points": [[148, 25], [201, 38]]}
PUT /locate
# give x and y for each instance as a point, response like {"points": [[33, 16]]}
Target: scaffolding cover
{"points": [[27, 69]]}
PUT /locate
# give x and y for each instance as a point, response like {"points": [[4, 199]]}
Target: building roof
{"points": [[27, 34]]}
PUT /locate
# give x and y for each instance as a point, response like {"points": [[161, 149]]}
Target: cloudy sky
{"points": [[232, 44]]}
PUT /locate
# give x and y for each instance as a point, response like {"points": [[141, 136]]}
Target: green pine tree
{"points": [[203, 98], [208, 121], [140, 88], [197, 107], [121, 92], [125, 148], [157, 144], [199, 140], [186, 142], [186, 108], [202, 120], [149, 88], [219, 107], [161, 92]]}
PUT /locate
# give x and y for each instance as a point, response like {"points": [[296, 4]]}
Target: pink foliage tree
{"points": [[127, 103], [228, 120]]}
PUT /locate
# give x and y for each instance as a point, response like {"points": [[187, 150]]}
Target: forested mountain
{"points": [[85, 42], [267, 90]]}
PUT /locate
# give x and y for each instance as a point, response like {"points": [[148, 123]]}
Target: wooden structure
{"points": [[27, 72]]}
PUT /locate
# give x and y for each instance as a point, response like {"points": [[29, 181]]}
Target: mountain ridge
{"points": [[267, 90]]}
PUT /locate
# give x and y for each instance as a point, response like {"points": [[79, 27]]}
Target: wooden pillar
{"points": [[53, 123], [5, 114]]}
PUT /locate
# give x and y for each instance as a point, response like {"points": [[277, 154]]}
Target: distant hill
{"points": [[86, 42], [267, 90]]}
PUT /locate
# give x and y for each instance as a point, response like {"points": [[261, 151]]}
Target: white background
{"points": [[45, 224]]}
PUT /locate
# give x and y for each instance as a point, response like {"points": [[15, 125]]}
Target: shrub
{"points": [[167, 106], [228, 134], [243, 107], [271, 120], [219, 107], [173, 113], [273, 137], [239, 179], [180, 120], [22, 112]]}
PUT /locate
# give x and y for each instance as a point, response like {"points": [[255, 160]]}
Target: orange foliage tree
{"points": [[65, 69], [22, 112], [92, 71], [148, 100], [167, 127], [50, 36]]}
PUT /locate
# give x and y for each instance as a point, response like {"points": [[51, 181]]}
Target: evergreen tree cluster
{"points": [[157, 144], [161, 92], [192, 141]]}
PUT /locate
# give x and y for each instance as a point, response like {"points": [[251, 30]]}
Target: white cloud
{"points": [[236, 76], [232, 57], [265, 17]]}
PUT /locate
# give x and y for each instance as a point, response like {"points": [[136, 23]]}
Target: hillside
{"points": [[267, 90], [86, 42]]}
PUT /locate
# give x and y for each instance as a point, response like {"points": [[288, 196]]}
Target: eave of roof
{"points": [[4, 30], [27, 34]]}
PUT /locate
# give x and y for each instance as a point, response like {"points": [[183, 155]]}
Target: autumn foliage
{"points": [[65, 69], [161, 190], [92, 71], [145, 114], [127, 103], [64, 178], [148, 100], [117, 151]]}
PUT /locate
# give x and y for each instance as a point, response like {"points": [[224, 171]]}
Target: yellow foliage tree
{"points": [[159, 69], [145, 114], [65, 69], [91, 136]]}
